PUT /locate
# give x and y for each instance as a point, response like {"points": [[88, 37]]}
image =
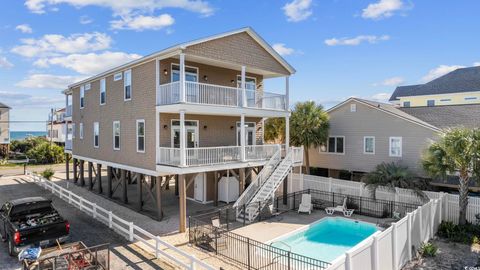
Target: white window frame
{"points": [[82, 97], [73, 131], [103, 89], [88, 86], [390, 146], [327, 146], [119, 135], [125, 85], [117, 76], [186, 72], [144, 134], [365, 145], [353, 107], [96, 132], [80, 130]]}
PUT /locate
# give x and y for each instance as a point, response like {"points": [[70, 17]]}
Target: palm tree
{"points": [[455, 153], [392, 175], [308, 127], [275, 130]]}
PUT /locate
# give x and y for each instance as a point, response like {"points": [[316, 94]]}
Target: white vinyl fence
{"points": [[392, 248], [301, 182], [125, 228]]}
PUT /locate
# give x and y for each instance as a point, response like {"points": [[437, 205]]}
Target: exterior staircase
{"points": [[263, 187]]}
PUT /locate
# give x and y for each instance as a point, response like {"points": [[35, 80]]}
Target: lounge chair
{"points": [[306, 205], [340, 208]]}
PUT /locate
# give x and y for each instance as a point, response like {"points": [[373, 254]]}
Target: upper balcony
{"points": [[218, 95]]}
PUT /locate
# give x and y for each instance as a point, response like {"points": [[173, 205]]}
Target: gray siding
{"points": [[368, 121]]}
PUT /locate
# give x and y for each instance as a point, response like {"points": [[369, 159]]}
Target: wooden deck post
{"points": [[217, 176], [109, 182], [139, 191], [90, 177], [67, 165], [176, 185], [242, 181], [75, 174], [123, 179], [167, 185], [158, 195], [183, 203], [82, 173], [99, 178], [285, 190]]}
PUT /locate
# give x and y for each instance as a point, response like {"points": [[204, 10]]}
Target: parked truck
{"points": [[29, 222]]}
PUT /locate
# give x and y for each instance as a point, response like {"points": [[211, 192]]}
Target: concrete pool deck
{"points": [[285, 223]]}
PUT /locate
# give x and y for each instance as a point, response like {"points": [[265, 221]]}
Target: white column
{"points": [[244, 92], [157, 80], [182, 77], [183, 141], [263, 130], [287, 93], [242, 136], [287, 133], [66, 101], [157, 136]]}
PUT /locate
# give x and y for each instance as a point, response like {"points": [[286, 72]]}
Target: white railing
{"points": [[297, 155], [212, 155], [258, 181], [168, 93], [260, 152], [211, 94], [68, 111], [204, 156], [123, 227]]}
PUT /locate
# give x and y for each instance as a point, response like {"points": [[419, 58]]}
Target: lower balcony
{"points": [[205, 156]]}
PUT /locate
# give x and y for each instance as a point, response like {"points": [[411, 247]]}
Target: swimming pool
{"points": [[327, 238]]}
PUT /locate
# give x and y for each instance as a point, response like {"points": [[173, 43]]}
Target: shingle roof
{"points": [[447, 116], [2, 105], [457, 81]]}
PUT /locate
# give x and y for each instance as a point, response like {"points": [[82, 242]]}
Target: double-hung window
{"points": [[80, 127], [127, 85], [116, 135], [103, 89], [395, 147], [335, 144], [82, 97], [369, 145], [96, 134], [141, 136]]}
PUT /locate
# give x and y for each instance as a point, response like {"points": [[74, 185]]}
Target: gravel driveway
{"points": [[83, 228]]}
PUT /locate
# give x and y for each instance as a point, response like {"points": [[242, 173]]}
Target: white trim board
{"points": [[118, 165]]}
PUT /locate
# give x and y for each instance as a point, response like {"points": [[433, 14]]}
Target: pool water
{"points": [[326, 239]]}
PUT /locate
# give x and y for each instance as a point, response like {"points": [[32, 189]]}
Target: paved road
{"points": [[83, 228], [18, 170]]}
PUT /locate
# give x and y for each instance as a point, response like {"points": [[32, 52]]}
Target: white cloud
{"points": [[4, 63], [85, 19], [356, 40], [298, 10], [439, 71], [48, 81], [141, 22], [90, 63], [476, 64], [393, 81], [381, 97], [281, 49], [54, 44], [382, 9], [24, 28], [18, 100], [127, 6]]}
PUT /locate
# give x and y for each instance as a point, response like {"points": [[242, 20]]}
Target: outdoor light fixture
{"points": [[165, 72], [205, 78], [231, 127], [165, 126], [232, 81], [204, 127]]}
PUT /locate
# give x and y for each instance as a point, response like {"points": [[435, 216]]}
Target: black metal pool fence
{"points": [[257, 255]]}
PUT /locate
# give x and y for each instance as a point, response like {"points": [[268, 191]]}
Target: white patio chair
{"points": [[306, 204], [340, 208]]}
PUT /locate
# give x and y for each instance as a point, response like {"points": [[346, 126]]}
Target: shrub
{"points": [[23, 146], [47, 173], [428, 250], [466, 234], [45, 153]]}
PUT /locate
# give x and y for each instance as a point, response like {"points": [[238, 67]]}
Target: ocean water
{"points": [[20, 135], [326, 239]]}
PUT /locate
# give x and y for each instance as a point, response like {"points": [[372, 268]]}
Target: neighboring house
{"points": [[56, 126], [461, 86], [194, 111], [4, 129]]}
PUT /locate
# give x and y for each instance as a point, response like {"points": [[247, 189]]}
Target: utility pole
{"points": [[51, 126]]}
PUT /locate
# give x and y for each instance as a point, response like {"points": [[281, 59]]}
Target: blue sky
{"points": [[340, 48]]}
